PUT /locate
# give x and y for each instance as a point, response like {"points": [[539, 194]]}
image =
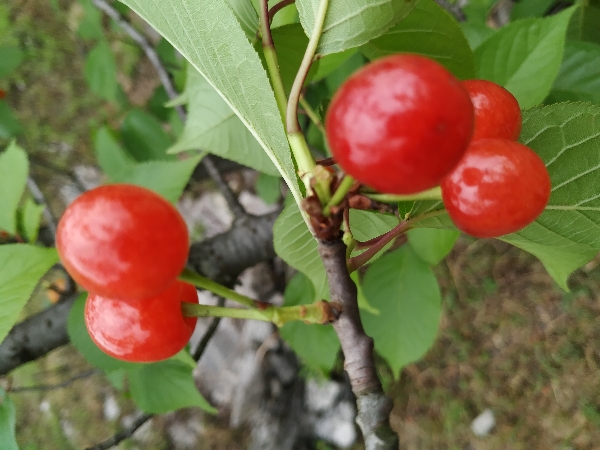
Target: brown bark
{"points": [[374, 407]]}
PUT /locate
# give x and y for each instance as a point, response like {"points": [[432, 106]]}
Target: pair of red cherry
{"points": [[404, 124], [126, 245]]}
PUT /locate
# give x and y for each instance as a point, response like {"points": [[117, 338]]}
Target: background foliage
{"points": [[542, 56]]}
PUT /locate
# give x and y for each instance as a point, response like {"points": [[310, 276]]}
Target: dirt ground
{"points": [[510, 340]]}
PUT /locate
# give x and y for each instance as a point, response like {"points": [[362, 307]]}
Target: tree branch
{"points": [[208, 334], [51, 387], [36, 335], [224, 257], [221, 258], [232, 201], [39, 198], [122, 435], [374, 407]]}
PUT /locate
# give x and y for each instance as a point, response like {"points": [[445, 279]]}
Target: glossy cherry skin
{"points": [[142, 330], [122, 241], [499, 187], [400, 124], [497, 112]]}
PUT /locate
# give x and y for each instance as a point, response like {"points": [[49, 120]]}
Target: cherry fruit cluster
{"points": [[126, 245], [404, 124], [499, 186]]}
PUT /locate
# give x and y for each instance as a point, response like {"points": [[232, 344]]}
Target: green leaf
{"points": [[295, 244], [10, 59], [246, 15], [584, 24], [117, 378], [14, 168], [350, 23], [168, 55], [112, 157], [144, 136], [91, 25], [101, 71], [268, 188], [8, 422], [530, 8], [156, 104], [560, 261], [476, 33], [331, 62], [176, 123], [362, 301], [31, 217], [432, 245], [165, 386], [404, 290], [168, 178], [525, 56], [209, 36], [316, 345], [579, 75], [567, 234], [9, 124], [427, 30], [80, 338], [335, 79], [212, 126], [21, 267], [366, 225], [478, 10]]}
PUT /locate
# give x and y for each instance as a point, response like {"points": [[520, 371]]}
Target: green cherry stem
{"points": [[291, 116], [319, 312], [278, 7], [189, 276], [271, 59], [380, 242], [197, 310], [300, 150], [431, 194], [312, 114], [302, 154], [339, 194]]}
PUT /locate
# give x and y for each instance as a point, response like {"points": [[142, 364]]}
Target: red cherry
{"points": [[2, 94], [400, 124], [146, 330], [122, 241], [499, 187], [497, 112]]}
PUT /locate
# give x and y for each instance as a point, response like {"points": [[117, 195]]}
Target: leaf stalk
{"points": [[271, 59], [377, 244]]}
